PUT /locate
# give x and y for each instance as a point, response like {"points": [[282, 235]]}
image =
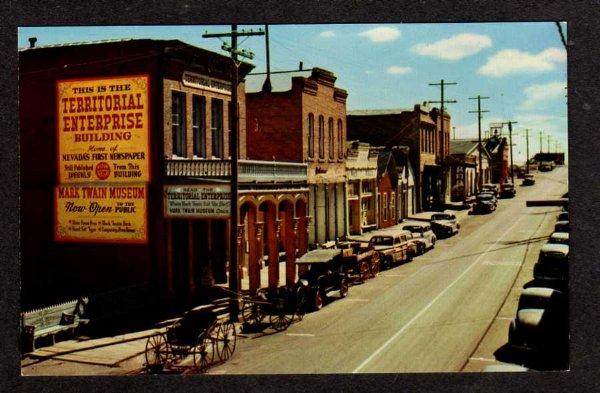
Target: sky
{"points": [[521, 67]]}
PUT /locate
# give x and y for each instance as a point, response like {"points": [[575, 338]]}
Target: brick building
{"points": [[387, 189], [307, 124], [418, 129], [498, 148], [154, 212]]}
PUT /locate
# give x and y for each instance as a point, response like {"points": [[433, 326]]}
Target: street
{"points": [[425, 316]]}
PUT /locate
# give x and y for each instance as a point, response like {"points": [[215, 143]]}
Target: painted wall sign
{"points": [[197, 201], [101, 213], [203, 82], [103, 130]]}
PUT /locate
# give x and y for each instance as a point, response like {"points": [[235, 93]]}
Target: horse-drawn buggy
{"points": [[281, 306]]}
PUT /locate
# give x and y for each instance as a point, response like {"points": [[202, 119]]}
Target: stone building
{"points": [[306, 124], [130, 186], [418, 129]]}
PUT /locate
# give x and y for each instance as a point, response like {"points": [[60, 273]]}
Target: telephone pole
{"points": [[541, 144], [479, 111], [453, 132], [442, 138], [234, 280], [527, 151], [549, 137]]}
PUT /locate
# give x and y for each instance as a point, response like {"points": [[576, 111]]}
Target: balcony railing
{"points": [[249, 171]]}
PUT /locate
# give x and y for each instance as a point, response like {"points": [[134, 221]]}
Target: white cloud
{"points": [[455, 47], [397, 70], [537, 94], [327, 34], [381, 34], [513, 61]]}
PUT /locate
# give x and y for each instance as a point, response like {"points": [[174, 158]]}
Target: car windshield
{"points": [[441, 217], [552, 257], [484, 197], [507, 186], [382, 241], [559, 240]]}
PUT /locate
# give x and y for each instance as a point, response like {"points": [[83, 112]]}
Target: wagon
{"points": [[282, 306], [360, 259], [204, 333]]}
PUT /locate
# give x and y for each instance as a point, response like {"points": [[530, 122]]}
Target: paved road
{"points": [[428, 315]]}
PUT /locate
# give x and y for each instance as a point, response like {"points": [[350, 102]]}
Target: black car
{"points": [[485, 203], [322, 272], [507, 190], [528, 180]]}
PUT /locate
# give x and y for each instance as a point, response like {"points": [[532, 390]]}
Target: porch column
{"points": [[271, 227], [291, 246], [255, 257], [240, 242]]}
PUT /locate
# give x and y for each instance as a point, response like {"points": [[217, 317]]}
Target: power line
{"points": [[562, 36], [479, 111]]}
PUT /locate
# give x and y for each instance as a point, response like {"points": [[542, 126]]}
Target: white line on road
{"points": [[483, 359], [300, 334], [505, 318], [356, 299], [403, 328], [393, 275]]}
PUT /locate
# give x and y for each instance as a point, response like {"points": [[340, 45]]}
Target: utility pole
{"points": [[510, 135], [527, 151], [267, 85], [479, 111], [541, 144], [234, 281], [442, 138], [453, 132], [549, 136]]}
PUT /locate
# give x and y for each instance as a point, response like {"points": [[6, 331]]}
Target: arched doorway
{"points": [[250, 255], [287, 241], [267, 216]]}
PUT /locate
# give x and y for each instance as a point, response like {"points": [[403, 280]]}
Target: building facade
{"points": [[130, 187], [361, 169], [307, 124], [463, 162], [387, 189], [498, 148], [418, 129]]}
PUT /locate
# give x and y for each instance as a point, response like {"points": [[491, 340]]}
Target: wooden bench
{"points": [[49, 321]]}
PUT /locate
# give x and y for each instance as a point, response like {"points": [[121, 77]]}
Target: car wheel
{"points": [[343, 288], [318, 300], [386, 263]]}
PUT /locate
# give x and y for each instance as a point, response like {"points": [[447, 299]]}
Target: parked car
{"points": [[422, 235], [559, 238], [507, 190], [561, 226], [493, 188], [546, 166], [563, 216], [541, 323], [444, 224], [553, 263], [528, 180], [393, 247], [484, 203], [323, 272]]}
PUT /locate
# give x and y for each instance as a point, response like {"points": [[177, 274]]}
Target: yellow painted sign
{"points": [[101, 213], [103, 130]]}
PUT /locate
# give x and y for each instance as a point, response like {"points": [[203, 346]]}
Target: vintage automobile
{"points": [[553, 263], [422, 235], [444, 224], [323, 272], [561, 226], [491, 187], [546, 166], [541, 323], [528, 180], [559, 238], [485, 203], [563, 216], [507, 190], [394, 247], [360, 259]]}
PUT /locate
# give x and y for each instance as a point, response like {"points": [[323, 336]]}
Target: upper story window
{"points": [[311, 135], [178, 123], [217, 127], [199, 125], [321, 137], [331, 139], [340, 132]]}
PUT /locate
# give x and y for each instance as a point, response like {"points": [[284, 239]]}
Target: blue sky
{"points": [[521, 66]]}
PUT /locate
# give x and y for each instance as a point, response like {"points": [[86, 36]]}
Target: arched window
{"points": [[311, 135], [331, 139], [321, 137], [340, 132]]}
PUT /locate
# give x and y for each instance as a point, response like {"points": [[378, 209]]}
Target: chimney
{"points": [[32, 41]]}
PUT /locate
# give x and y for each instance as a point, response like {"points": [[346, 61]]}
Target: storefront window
{"points": [[199, 125], [178, 123]]}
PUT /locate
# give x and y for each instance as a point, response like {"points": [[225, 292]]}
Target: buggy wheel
{"points": [[374, 266], [157, 351], [343, 288], [252, 313], [226, 340], [301, 300], [203, 353], [280, 320], [364, 271], [318, 300]]}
